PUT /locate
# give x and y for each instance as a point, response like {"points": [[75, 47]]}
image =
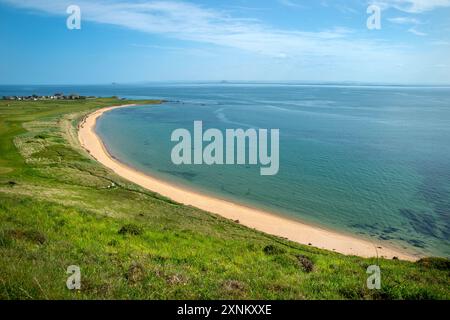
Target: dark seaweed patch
{"points": [[422, 223], [435, 189], [182, 174], [364, 226], [416, 243], [390, 230]]}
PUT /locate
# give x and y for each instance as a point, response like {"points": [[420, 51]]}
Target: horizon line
{"points": [[231, 82]]}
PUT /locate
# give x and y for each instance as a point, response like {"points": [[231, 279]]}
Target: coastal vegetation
{"points": [[59, 207]]}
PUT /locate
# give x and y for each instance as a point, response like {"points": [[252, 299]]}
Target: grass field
{"points": [[59, 208]]}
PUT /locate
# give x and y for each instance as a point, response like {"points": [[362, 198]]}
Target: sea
{"points": [[367, 160]]}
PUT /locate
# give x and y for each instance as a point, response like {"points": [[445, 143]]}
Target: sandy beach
{"points": [[253, 218]]}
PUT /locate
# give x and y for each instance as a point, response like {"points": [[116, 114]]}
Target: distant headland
{"points": [[56, 96]]}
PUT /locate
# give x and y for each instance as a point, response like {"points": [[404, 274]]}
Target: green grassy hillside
{"points": [[59, 208]]}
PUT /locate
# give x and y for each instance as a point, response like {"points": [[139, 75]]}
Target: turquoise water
{"points": [[369, 160], [374, 161]]}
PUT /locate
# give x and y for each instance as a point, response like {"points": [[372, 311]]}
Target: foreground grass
{"points": [[60, 208]]}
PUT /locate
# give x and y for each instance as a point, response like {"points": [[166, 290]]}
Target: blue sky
{"points": [[285, 40]]}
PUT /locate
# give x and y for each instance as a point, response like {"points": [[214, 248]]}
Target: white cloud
{"points": [[190, 22], [413, 6], [417, 32], [404, 20], [290, 3], [254, 49], [333, 54]]}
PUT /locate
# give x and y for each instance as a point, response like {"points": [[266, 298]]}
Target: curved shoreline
{"points": [[250, 217]]}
